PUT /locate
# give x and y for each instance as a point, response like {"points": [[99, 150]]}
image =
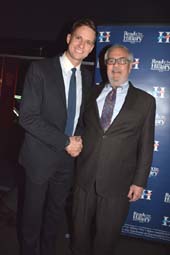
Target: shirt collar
{"points": [[124, 86], [66, 63]]}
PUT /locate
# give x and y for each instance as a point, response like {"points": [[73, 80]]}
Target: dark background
{"points": [[37, 27]]}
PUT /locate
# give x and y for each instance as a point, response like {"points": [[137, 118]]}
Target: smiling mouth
{"points": [[115, 71], [79, 51]]}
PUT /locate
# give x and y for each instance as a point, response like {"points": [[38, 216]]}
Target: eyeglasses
{"points": [[120, 61]]}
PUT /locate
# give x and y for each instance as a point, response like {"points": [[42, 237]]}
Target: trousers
{"points": [[42, 212], [97, 222]]}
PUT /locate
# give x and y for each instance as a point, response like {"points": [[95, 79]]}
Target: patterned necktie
{"points": [[108, 108], [71, 111]]}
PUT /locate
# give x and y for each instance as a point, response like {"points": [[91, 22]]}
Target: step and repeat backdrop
{"points": [[149, 217]]}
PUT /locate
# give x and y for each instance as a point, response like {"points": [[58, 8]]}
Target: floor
{"points": [[9, 244]]}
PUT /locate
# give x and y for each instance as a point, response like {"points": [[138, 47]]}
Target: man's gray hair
{"points": [[120, 46]]}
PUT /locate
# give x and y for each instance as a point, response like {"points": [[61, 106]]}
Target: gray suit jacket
{"points": [[123, 154]]}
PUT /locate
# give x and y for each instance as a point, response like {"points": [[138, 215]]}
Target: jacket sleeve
{"points": [[145, 146], [31, 118]]}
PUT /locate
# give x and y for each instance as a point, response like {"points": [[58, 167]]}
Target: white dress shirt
{"points": [[66, 66]]}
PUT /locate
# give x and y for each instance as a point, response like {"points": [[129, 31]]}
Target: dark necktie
{"points": [[108, 108], [71, 111]]}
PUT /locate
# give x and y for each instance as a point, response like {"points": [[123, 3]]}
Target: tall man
{"points": [[114, 164], [49, 147]]}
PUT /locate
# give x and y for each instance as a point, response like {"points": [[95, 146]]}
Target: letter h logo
{"points": [[104, 36], [164, 37], [146, 194]]}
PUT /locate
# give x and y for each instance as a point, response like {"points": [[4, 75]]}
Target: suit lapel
{"points": [[98, 90], [128, 104], [85, 87], [126, 107], [83, 90], [58, 77]]}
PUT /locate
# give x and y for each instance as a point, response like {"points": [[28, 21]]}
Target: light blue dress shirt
{"points": [[121, 93]]}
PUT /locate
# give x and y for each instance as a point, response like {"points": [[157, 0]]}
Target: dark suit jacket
{"points": [[43, 116], [123, 154]]}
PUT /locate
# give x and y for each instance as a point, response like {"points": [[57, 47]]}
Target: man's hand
{"points": [[75, 146], [135, 193]]}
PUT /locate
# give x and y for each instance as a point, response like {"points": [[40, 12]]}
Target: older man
{"points": [[114, 164]]}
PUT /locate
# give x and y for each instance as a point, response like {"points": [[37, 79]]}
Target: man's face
{"points": [[118, 73], [80, 44]]}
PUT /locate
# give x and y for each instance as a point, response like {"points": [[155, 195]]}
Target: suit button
{"points": [[104, 136]]}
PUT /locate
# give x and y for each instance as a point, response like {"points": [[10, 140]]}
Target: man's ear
{"points": [[68, 38]]}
